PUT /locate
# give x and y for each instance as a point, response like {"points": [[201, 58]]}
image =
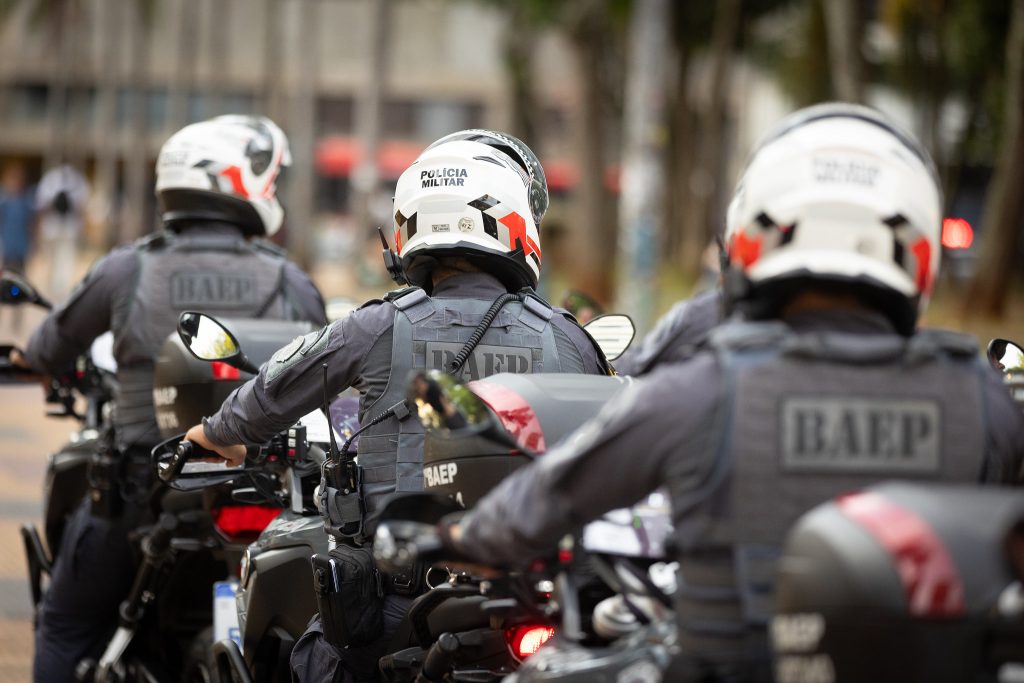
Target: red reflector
{"points": [[516, 415], [243, 522], [526, 640], [929, 576], [957, 233], [224, 371]]}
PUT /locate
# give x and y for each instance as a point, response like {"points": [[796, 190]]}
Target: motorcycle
{"points": [[594, 593], [199, 535], [203, 524], [65, 481], [262, 612], [271, 613]]}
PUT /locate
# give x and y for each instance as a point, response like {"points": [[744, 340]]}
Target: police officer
{"points": [[216, 183], [833, 246], [676, 335], [466, 216]]}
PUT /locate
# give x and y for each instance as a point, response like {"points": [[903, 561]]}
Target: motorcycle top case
{"points": [[185, 389], [538, 410], [903, 582]]}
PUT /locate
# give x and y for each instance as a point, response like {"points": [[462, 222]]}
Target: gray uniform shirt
{"points": [[661, 431], [357, 352], [70, 329], [676, 335]]}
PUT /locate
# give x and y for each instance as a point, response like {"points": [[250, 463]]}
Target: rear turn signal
{"points": [[526, 640], [243, 523], [224, 371]]}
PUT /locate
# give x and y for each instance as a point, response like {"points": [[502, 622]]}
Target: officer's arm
{"points": [[686, 324], [304, 295], [1004, 459], [645, 438], [291, 384], [69, 330]]}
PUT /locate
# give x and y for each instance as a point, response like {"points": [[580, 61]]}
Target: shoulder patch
{"points": [[396, 294], [296, 350]]}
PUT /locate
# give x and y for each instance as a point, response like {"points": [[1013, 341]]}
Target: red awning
{"points": [[338, 156]]}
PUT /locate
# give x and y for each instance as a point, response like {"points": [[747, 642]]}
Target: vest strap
{"points": [[535, 313]]}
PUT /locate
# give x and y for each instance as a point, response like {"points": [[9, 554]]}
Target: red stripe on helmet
{"points": [[234, 174], [516, 415], [516, 225], [398, 240], [923, 253], [533, 247], [930, 579], [744, 250]]}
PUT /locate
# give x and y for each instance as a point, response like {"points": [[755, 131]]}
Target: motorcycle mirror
{"points": [[613, 333], [1006, 356], [176, 467], [446, 405], [14, 289], [207, 339]]}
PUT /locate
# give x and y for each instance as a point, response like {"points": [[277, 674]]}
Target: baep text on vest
{"points": [[199, 289], [850, 434], [443, 177], [484, 361]]}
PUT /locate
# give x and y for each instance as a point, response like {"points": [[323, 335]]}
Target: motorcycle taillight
{"points": [[224, 371], [525, 640], [243, 523]]}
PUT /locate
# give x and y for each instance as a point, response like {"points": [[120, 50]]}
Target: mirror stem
{"points": [[246, 365]]}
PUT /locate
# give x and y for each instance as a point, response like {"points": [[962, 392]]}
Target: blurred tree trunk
{"points": [[642, 202], [518, 49], [370, 112], [679, 164], [588, 29], [843, 28], [301, 132], [1003, 224], [704, 216]]}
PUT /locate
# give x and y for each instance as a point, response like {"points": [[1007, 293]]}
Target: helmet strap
{"points": [[391, 261]]}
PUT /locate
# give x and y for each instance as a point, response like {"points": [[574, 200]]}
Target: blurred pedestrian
{"points": [[61, 198], [17, 211], [17, 214]]}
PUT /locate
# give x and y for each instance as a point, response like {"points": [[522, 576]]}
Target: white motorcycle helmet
{"points": [[465, 197], [225, 169], [837, 193]]}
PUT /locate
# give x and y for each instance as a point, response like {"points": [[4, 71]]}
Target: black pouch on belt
{"points": [[349, 595], [104, 476]]}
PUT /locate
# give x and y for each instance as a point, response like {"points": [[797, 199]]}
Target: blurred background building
{"points": [[601, 89]]}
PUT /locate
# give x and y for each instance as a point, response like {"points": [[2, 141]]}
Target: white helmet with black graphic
{"points": [[836, 193], [224, 169], [465, 197]]}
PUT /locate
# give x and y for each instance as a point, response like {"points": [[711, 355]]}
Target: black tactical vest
{"points": [[427, 334], [219, 274], [807, 417]]}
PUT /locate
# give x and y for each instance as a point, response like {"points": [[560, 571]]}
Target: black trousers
{"points": [[314, 660], [92, 574]]}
